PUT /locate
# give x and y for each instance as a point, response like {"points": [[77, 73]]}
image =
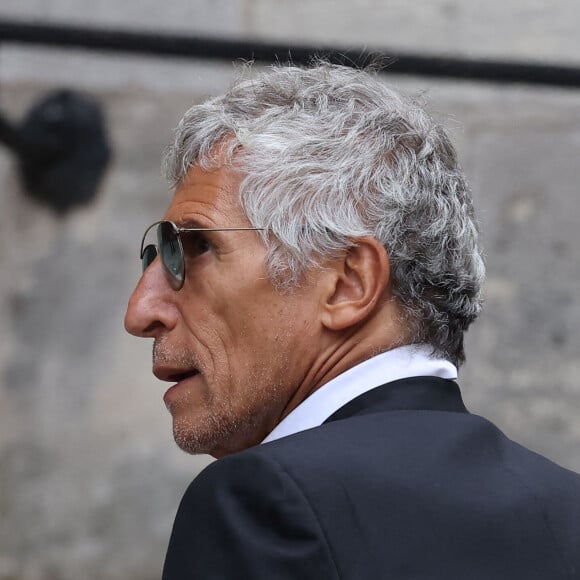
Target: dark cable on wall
{"points": [[174, 45]]}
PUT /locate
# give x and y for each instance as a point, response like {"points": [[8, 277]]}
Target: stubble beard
{"points": [[216, 424]]}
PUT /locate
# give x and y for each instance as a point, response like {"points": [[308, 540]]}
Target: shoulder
{"points": [[299, 507], [245, 517], [244, 475], [406, 453]]}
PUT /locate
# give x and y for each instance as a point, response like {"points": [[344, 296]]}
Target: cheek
{"points": [[206, 336], [272, 335], [244, 326]]}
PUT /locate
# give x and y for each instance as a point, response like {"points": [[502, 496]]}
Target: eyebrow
{"points": [[193, 223], [189, 223], [218, 228]]}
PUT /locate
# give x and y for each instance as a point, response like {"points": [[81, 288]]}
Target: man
{"points": [[307, 292]]}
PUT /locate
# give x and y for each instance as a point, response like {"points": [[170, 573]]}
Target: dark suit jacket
{"points": [[401, 483]]}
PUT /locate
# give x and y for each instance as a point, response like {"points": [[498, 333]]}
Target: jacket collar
{"points": [[414, 393]]}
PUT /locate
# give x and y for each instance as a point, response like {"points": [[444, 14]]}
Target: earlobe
{"points": [[356, 284]]}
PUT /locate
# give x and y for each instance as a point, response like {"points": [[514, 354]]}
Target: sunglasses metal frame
{"points": [[177, 281]]}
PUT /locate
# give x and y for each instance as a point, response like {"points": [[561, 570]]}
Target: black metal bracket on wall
{"points": [[187, 46], [61, 148]]}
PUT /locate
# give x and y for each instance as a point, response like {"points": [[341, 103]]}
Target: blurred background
{"points": [[90, 478]]}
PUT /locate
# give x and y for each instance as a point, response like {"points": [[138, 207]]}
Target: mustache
{"points": [[167, 355]]}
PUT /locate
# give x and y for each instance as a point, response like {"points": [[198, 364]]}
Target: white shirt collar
{"points": [[400, 363]]}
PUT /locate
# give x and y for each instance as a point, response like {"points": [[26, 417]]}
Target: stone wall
{"points": [[89, 476]]}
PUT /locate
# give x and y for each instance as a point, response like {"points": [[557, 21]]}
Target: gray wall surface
{"points": [[89, 475]]}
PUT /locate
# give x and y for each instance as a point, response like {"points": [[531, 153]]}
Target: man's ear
{"points": [[355, 284]]}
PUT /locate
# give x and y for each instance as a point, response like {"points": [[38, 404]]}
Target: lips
{"points": [[176, 391], [172, 375]]}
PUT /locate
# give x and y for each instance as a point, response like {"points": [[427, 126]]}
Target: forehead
{"points": [[208, 197]]}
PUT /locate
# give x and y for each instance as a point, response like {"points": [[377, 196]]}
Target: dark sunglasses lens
{"points": [[170, 250], [149, 254]]}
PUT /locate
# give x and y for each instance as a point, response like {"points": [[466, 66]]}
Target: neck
{"points": [[345, 349]]}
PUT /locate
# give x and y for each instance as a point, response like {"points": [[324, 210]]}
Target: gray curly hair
{"points": [[329, 154]]}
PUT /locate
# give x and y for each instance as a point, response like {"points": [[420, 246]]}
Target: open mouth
{"points": [[178, 377]]}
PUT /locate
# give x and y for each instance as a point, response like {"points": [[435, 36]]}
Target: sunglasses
{"points": [[170, 248]]}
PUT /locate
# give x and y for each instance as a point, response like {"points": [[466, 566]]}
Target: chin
{"points": [[193, 439], [213, 437], [203, 437]]}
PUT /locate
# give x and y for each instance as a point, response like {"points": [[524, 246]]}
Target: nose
{"points": [[151, 309]]}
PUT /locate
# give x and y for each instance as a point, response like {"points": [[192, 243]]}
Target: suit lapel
{"points": [[414, 393]]}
